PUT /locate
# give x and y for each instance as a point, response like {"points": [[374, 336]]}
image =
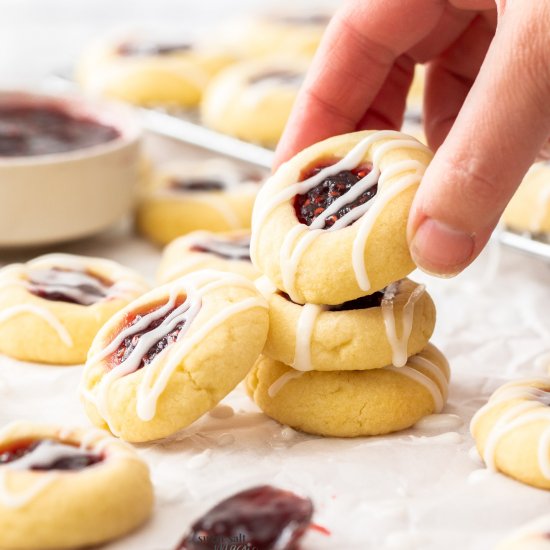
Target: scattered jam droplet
{"points": [[320, 529], [143, 49], [64, 285], [312, 204], [73, 461], [39, 130], [129, 343], [264, 517]]}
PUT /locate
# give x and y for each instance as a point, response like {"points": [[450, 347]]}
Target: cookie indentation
{"points": [[311, 205]]}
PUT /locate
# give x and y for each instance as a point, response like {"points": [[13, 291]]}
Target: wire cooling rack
{"points": [[185, 126]]}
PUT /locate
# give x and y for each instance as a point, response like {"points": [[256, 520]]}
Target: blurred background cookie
{"points": [[183, 196], [253, 99], [145, 69]]}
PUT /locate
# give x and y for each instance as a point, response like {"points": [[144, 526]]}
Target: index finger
{"points": [[359, 48]]}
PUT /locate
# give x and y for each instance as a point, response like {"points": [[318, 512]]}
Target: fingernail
{"points": [[441, 250]]}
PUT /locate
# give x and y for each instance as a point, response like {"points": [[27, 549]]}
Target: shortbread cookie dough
{"points": [[330, 225], [215, 195], [529, 209], [173, 354], [351, 403], [228, 251], [371, 332], [52, 307], [147, 71], [283, 34], [252, 100], [512, 431], [68, 488], [533, 536]]}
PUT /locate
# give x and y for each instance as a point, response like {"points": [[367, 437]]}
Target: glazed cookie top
{"points": [[155, 333], [181, 179], [522, 402], [77, 280], [340, 184], [228, 251], [404, 293], [43, 454]]}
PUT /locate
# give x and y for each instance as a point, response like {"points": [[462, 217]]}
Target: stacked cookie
{"points": [[348, 350]]}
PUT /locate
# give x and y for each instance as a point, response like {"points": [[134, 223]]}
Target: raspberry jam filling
{"points": [[264, 517], [39, 130], [236, 249], [189, 184], [364, 302], [278, 77], [164, 328], [64, 285], [143, 49], [46, 455], [312, 204]]}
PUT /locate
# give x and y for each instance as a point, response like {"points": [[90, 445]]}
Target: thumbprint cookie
{"points": [[330, 225], [68, 487], [171, 355], [52, 307]]}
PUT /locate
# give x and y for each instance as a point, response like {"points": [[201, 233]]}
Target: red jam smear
{"points": [[264, 517], [148, 48], [66, 285], [130, 342], [236, 249], [312, 204], [38, 130], [19, 449]]}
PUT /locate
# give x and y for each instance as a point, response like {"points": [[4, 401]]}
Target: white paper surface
{"points": [[412, 490]]}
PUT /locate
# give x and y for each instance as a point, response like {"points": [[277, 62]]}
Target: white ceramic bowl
{"points": [[64, 196]]}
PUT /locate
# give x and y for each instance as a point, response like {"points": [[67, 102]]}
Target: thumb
{"points": [[502, 125]]}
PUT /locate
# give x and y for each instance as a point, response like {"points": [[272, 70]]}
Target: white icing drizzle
{"points": [[534, 406], [41, 312], [435, 391], [17, 500], [278, 385], [439, 421], [399, 345], [300, 237], [304, 332], [74, 268], [46, 453], [226, 248], [158, 372], [265, 286], [439, 369]]}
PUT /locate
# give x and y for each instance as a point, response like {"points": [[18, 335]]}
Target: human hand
{"points": [[486, 105]]}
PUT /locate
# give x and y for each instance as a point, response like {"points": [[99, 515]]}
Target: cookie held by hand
{"points": [[330, 225]]}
